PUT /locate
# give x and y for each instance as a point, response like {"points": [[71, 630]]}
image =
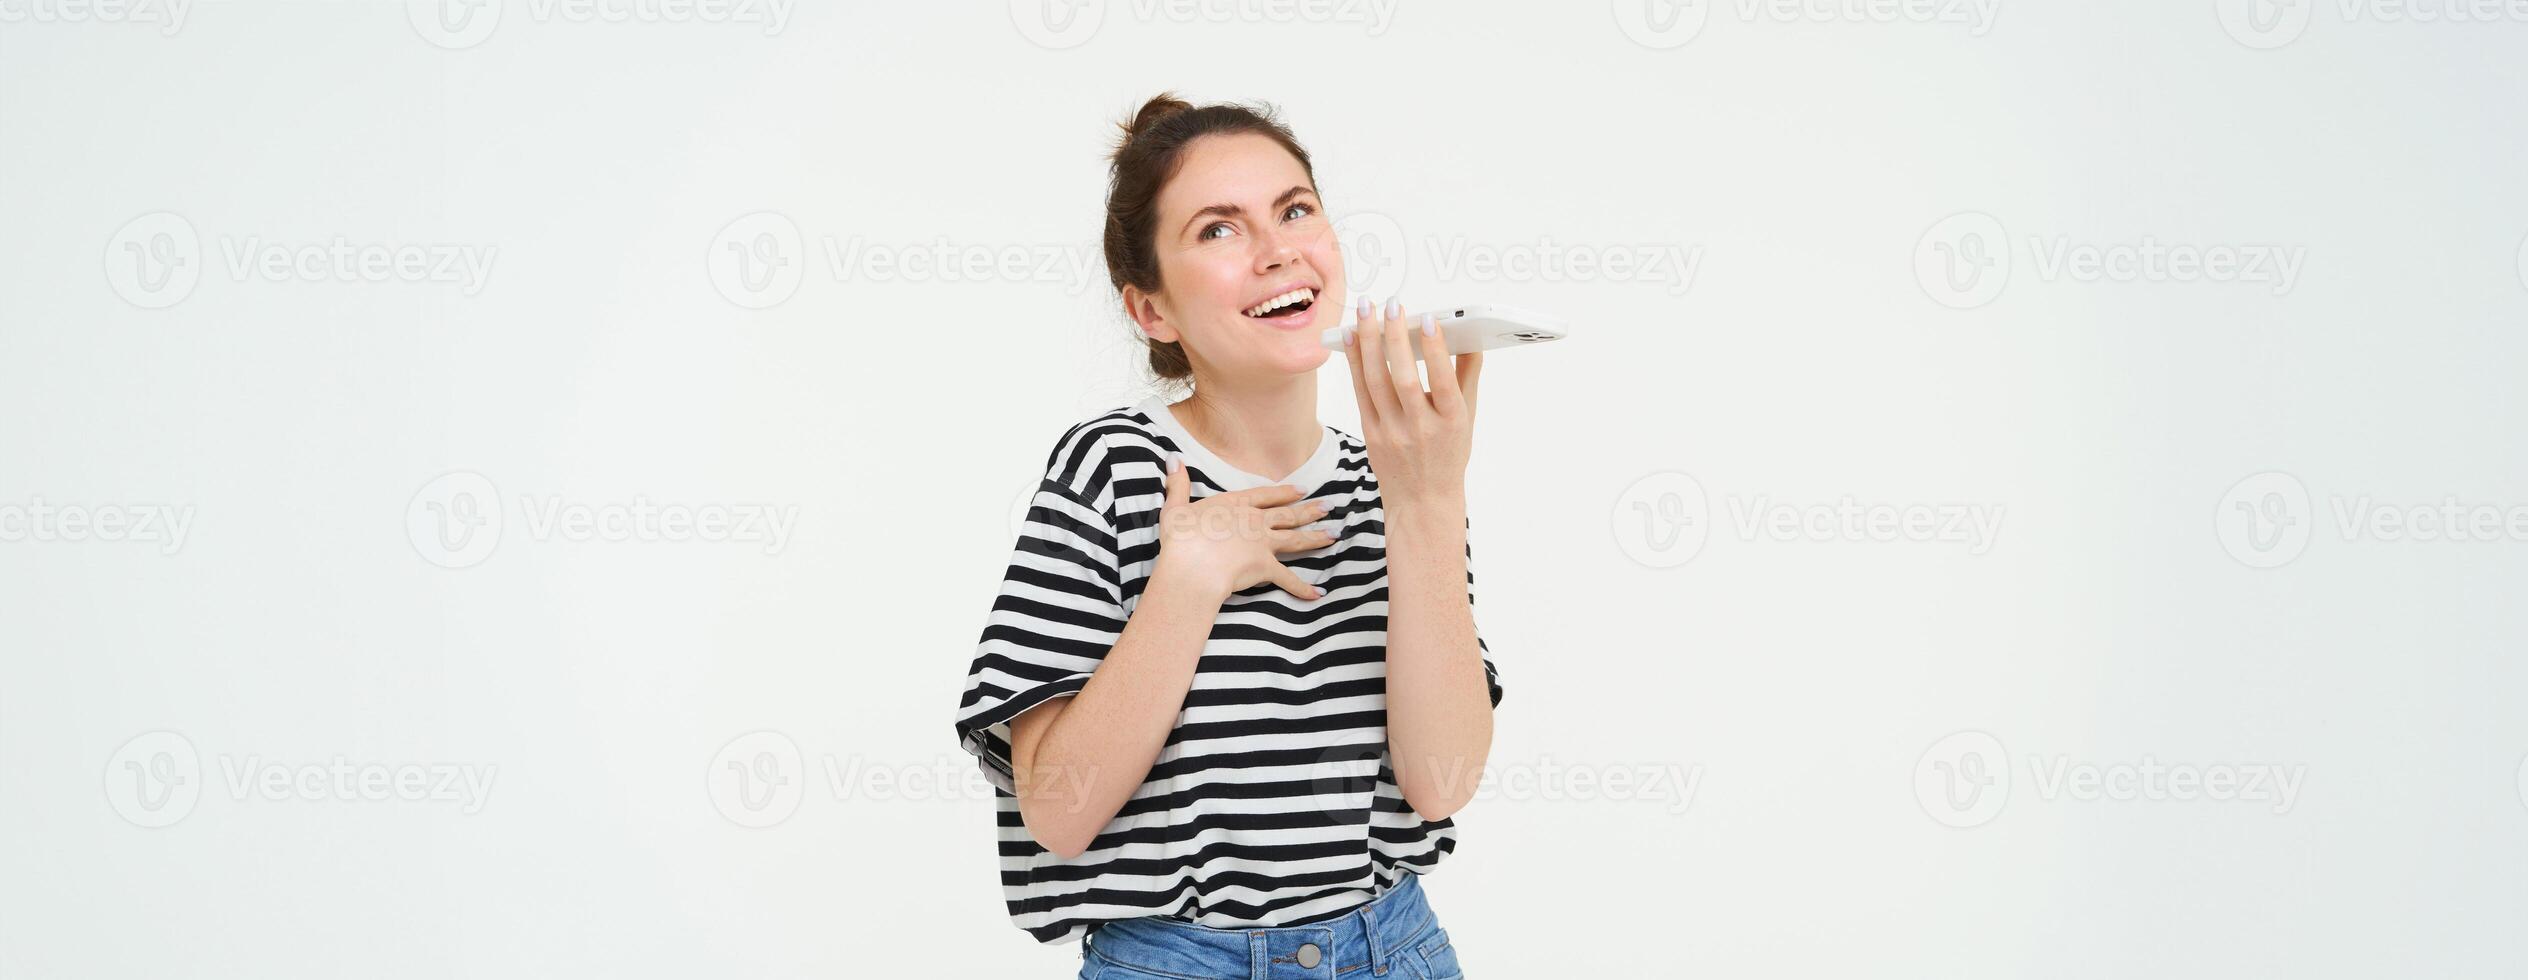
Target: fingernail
{"points": [[1368, 307], [1429, 326], [1395, 308], [1350, 334]]}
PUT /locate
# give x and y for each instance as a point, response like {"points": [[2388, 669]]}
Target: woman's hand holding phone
{"points": [[1418, 438]]}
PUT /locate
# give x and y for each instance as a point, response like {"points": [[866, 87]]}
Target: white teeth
{"points": [[1280, 301]]}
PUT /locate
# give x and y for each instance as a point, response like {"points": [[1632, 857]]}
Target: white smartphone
{"points": [[1474, 327]]}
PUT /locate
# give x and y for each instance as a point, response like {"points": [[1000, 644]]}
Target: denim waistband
{"points": [[1373, 934]]}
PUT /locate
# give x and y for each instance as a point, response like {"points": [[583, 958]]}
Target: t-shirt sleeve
{"points": [[1059, 610], [1491, 674]]}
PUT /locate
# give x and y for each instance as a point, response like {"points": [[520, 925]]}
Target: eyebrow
{"points": [[1234, 211]]}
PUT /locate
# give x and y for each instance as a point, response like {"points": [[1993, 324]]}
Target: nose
{"points": [[1273, 249]]}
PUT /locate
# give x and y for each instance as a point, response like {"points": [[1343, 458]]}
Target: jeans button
{"points": [[1308, 956]]}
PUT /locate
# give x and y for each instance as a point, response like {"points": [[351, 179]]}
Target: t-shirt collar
{"points": [[1319, 467]]}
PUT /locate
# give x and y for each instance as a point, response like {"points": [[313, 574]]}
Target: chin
{"points": [[1291, 363], [1306, 361]]}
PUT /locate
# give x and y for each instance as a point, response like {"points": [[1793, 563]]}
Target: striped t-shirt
{"points": [[1273, 802]]}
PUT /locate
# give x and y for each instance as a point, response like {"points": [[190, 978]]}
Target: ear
{"points": [[1144, 310]]}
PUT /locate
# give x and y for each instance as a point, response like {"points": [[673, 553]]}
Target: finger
{"points": [[1272, 496], [1179, 487], [1469, 375], [1445, 397], [1293, 584], [1296, 539], [1295, 514], [1404, 374], [1380, 380], [1360, 384]]}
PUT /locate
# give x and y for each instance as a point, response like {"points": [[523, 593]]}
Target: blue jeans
{"points": [[1393, 936]]}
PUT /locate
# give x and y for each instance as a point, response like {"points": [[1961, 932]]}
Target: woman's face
{"points": [[1240, 226]]}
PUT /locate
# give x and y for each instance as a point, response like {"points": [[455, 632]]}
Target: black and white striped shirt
{"points": [[1273, 801]]}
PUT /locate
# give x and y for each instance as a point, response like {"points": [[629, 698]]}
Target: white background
{"points": [[1837, 341]]}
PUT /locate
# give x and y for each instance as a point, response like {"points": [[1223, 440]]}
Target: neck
{"points": [[1265, 426]]}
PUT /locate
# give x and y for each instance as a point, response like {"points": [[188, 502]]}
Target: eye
{"points": [[1303, 209], [1206, 234]]}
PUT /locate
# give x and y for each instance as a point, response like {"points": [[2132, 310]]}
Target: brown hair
{"points": [[1146, 157]]}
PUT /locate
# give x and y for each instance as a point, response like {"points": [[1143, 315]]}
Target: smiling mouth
{"points": [[1288, 306]]}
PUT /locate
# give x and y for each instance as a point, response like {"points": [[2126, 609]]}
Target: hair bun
{"points": [[1159, 108]]}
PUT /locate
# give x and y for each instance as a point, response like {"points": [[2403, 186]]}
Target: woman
{"points": [[1230, 716]]}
